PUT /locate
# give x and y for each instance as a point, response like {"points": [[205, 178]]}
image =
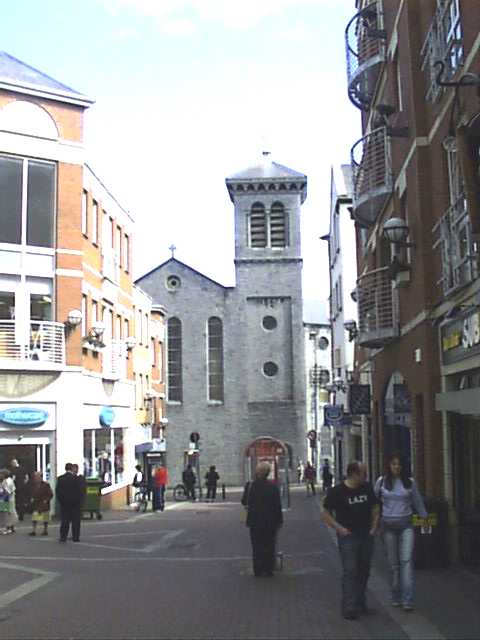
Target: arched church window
{"points": [[278, 225], [258, 225], [174, 350], [215, 360]]}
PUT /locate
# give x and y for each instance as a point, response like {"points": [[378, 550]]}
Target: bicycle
{"points": [[140, 499], [179, 493]]}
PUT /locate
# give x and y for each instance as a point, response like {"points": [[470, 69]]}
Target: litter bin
{"points": [[93, 497], [431, 541]]}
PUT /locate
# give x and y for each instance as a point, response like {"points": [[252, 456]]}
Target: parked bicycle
{"points": [[140, 499]]}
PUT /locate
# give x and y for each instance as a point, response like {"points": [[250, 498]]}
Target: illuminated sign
{"points": [[461, 338], [107, 416]]}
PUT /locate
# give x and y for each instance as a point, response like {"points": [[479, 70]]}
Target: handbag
{"points": [[4, 506]]}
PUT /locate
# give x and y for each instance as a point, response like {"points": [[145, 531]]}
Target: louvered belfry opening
{"points": [[258, 226], [278, 227]]}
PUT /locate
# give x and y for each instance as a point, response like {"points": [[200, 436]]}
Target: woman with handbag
{"points": [[400, 498]]}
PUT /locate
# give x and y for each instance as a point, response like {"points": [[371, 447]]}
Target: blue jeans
{"points": [[356, 555], [399, 546]]}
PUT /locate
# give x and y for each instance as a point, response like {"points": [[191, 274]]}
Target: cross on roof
{"points": [[173, 248]]}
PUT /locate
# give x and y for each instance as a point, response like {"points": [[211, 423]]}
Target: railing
{"points": [[458, 251], [444, 42], [34, 344], [377, 313], [372, 175], [365, 51], [114, 357]]}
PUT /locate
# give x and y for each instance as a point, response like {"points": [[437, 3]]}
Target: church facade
{"points": [[235, 355]]}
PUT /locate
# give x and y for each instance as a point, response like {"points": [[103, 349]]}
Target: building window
{"points": [[126, 253], [27, 201], [174, 345], [84, 315], [453, 234], [258, 226], [444, 42], [278, 225], [270, 369], [84, 213], [94, 317], [95, 222], [269, 323], [118, 246], [215, 360], [103, 455]]}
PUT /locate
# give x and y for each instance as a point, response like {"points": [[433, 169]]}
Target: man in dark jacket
{"points": [[70, 495], [264, 518], [189, 479], [212, 479]]}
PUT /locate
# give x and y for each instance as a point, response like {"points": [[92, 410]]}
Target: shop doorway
{"points": [[397, 418], [32, 457]]}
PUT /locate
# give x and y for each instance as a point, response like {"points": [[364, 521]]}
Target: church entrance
{"points": [[277, 454]]}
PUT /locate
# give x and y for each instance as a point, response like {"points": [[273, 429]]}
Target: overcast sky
{"points": [[188, 92]]}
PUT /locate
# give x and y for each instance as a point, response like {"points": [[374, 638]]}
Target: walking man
{"points": [[70, 495], [189, 480], [160, 481], [327, 476], [309, 475], [351, 508]]}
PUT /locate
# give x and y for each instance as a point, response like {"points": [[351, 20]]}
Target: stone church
{"points": [[235, 361]]}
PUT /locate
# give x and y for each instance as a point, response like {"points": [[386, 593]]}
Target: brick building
{"points": [[412, 70], [67, 316]]}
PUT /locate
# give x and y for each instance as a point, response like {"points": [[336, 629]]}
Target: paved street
{"points": [[186, 573]]}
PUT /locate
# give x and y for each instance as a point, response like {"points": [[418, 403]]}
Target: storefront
{"points": [[27, 433], [460, 404]]}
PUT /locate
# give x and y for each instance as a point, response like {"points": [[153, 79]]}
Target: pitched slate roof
{"points": [[266, 170], [18, 76]]}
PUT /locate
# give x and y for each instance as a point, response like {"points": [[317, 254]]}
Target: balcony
{"points": [[458, 250], [365, 48], [35, 345], [377, 311], [372, 175], [444, 42], [114, 357]]}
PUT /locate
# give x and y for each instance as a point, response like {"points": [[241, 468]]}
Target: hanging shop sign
{"points": [[460, 338], [359, 399], [23, 416], [106, 416], [333, 415]]}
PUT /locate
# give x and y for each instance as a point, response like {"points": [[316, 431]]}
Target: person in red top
{"points": [[160, 481]]}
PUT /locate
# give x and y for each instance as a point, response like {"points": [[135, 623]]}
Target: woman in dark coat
{"points": [[264, 518]]}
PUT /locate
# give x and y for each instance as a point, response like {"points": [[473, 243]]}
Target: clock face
{"points": [[323, 343]]}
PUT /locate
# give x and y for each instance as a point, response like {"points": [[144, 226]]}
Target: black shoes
{"points": [[350, 615]]}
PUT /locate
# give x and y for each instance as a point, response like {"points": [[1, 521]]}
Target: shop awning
{"points": [[466, 401]]}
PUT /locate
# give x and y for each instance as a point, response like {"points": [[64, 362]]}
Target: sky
{"points": [[188, 92]]}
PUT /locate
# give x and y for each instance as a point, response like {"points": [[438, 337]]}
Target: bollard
{"points": [[224, 493]]}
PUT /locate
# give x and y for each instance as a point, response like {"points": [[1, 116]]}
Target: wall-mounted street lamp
{"points": [[95, 335], [130, 343], [74, 318], [351, 327], [396, 231]]}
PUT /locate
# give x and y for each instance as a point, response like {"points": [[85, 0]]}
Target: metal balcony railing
{"points": [[377, 311], [365, 49], [458, 250], [444, 42], [372, 175], [114, 358], [33, 345]]}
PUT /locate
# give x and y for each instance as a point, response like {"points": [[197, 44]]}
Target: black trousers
{"points": [[190, 489], [211, 491], [263, 548], [70, 516]]}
